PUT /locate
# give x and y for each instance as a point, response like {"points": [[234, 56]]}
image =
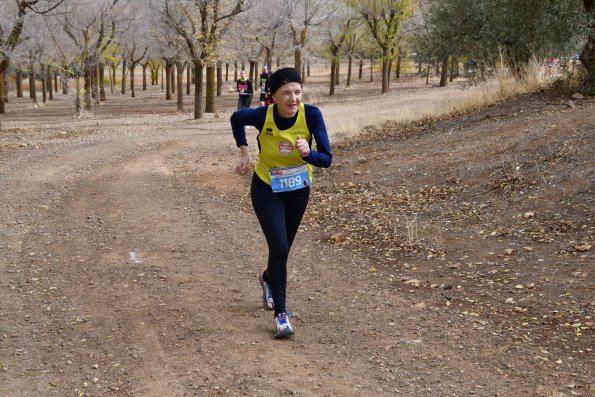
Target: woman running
{"points": [[282, 178]]}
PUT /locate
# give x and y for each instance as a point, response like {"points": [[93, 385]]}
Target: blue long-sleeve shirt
{"points": [[321, 157]]}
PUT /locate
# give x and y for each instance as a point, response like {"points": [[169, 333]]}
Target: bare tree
{"points": [[91, 28], [383, 19], [338, 31], [302, 15], [134, 58], [201, 23], [351, 47], [262, 27], [14, 15]]}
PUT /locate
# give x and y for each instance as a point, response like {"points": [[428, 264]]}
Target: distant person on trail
{"points": [[264, 85], [245, 90], [550, 63], [282, 177]]}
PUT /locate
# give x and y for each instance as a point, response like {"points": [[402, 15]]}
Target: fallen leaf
{"points": [[583, 247], [338, 237], [414, 282]]}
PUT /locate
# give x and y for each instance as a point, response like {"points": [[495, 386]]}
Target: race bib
{"points": [[289, 178]]}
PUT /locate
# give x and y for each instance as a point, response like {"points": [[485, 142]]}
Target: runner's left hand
{"points": [[302, 146]]}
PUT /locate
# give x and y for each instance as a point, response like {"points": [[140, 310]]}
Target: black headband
{"points": [[283, 76]]}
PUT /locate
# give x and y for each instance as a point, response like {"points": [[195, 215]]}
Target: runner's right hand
{"points": [[242, 166]]}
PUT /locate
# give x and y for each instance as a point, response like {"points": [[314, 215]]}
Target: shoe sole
{"points": [[265, 304], [283, 335]]}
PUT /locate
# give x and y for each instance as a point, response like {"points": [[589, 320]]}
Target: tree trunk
{"points": [[55, 82], [93, 83], [65, 78], [180, 83], [390, 64], [188, 78], [227, 71], [303, 71], [333, 77], [168, 82], [123, 77], [2, 106], [96, 84], [87, 88], [308, 68], [250, 73], [49, 83], [371, 70], [144, 76], [254, 77], [198, 72], [428, 72], [338, 67], [211, 90], [172, 78], [349, 69], [268, 59], [51, 90], [587, 55], [220, 78], [32, 91], [361, 69], [444, 72], [19, 83], [102, 96], [112, 81], [235, 71], [398, 68], [297, 58], [385, 61], [132, 85], [453, 63], [5, 89], [77, 96]]}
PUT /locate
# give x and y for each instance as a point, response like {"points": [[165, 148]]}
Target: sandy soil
{"points": [[460, 263]]}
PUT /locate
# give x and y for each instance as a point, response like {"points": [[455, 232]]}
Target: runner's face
{"points": [[288, 98]]}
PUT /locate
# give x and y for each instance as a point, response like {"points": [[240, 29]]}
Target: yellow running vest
{"points": [[277, 147]]}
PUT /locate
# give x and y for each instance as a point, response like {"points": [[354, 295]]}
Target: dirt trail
{"points": [[129, 267], [133, 279]]}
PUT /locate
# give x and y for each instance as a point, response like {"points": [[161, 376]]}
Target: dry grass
{"points": [[410, 99]]}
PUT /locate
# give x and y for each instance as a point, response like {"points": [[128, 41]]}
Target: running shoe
{"points": [[282, 327], [267, 296]]}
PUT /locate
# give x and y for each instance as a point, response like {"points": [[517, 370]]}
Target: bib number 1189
{"points": [[290, 178], [290, 182]]}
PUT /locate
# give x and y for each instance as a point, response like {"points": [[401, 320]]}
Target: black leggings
{"points": [[244, 102], [279, 215]]}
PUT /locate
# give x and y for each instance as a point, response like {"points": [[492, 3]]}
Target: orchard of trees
{"points": [[88, 44]]}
